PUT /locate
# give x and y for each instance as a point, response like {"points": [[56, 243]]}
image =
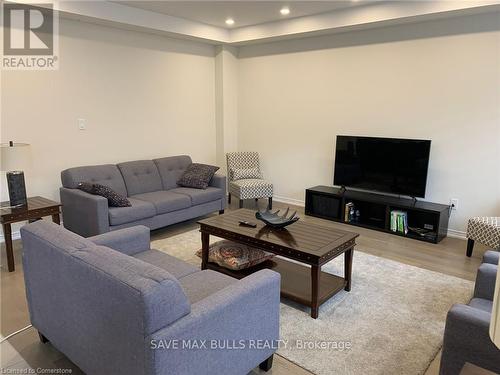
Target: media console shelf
{"points": [[428, 221]]}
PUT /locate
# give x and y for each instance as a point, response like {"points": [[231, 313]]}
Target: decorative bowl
{"points": [[277, 221]]}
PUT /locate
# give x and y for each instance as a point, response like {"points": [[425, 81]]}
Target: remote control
{"points": [[247, 224]]}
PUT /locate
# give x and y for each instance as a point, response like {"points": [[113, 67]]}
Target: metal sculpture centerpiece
{"points": [[277, 221]]}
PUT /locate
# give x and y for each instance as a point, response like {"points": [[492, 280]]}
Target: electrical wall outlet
{"points": [[82, 124], [454, 204]]}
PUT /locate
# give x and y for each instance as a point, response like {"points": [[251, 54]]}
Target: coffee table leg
{"points": [[315, 275], [7, 234], [348, 268], [205, 242]]}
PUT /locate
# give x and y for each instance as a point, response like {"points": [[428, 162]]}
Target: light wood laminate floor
{"points": [[447, 257]]}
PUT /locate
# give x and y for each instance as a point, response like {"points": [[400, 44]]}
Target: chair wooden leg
{"points": [[221, 212], [267, 364], [229, 198], [241, 203], [270, 203], [470, 247]]}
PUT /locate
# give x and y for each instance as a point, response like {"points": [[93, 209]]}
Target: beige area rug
{"points": [[393, 318]]}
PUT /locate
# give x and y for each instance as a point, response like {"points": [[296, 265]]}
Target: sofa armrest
{"points": [[485, 281], [466, 339], [491, 257], [239, 314], [128, 241], [84, 213], [218, 181]]}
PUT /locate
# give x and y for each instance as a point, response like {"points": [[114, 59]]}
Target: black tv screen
{"points": [[388, 165]]}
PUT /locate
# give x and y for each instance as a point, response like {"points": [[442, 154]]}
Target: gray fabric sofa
{"points": [[466, 336], [114, 306], [151, 188]]}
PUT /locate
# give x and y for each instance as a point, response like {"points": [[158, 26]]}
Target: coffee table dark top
{"points": [[308, 242]]}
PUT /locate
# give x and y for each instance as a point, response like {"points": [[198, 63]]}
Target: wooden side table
{"points": [[36, 208]]}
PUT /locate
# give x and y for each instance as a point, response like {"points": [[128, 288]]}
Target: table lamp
{"points": [[14, 158], [495, 315]]}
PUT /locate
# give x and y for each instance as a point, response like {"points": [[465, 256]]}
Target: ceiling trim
{"points": [[122, 16], [364, 16], [361, 17]]}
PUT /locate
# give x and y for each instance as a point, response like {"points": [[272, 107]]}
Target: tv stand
{"points": [[426, 221]]}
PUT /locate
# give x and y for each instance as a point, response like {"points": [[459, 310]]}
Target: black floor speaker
{"points": [[17, 188]]}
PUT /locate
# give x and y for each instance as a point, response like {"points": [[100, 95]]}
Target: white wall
{"points": [[143, 96], [226, 93], [437, 80]]}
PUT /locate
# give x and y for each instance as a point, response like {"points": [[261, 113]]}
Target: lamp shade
{"points": [[495, 315], [14, 156]]}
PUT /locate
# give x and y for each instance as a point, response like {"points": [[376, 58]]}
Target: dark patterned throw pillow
{"points": [[197, 176], [235, 256], [86, 187], [114, 199]]}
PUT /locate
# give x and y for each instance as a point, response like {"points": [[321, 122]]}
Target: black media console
{"points": [[425, 221]]}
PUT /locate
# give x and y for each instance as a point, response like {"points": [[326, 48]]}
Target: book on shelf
{"points": [[347, 212], [399, 222]]}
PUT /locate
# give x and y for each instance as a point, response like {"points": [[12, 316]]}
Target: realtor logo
{"points": [[29, 37]]}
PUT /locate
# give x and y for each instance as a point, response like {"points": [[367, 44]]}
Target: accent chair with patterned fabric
{"points": [[245, 178], [485, 230]]}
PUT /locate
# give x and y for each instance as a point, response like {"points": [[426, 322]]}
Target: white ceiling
{"points": [[244, 13], [260, 21]]}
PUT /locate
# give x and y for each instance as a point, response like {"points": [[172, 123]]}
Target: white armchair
{"points": [[245, 178]]}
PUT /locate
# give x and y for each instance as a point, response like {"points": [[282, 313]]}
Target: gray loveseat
{"points": [[113, 306], [466, 336], [151, 187]]}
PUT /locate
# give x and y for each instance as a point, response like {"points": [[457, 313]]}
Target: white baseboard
{"points": [[295, 202], [457, 234], [451, 232]]}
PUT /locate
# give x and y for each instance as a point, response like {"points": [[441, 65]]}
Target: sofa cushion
{"points": [[171, 169], [252, 188], [165, 201], [138, 210], [108, 175], [246, 173], [173, 265], [481, 304], [202, 284], [140, 176], [491, 257], [200, 196]]}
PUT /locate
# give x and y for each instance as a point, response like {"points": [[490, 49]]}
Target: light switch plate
{"points": [[82, 124]]}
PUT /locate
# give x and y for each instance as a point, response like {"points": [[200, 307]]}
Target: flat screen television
{"points": [[388, 165]]}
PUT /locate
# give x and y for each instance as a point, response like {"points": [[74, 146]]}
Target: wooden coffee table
{"points": [[310, 244]]}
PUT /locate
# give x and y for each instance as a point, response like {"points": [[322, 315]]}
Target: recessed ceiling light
{"points": [[230, 22], [284, 11]]}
